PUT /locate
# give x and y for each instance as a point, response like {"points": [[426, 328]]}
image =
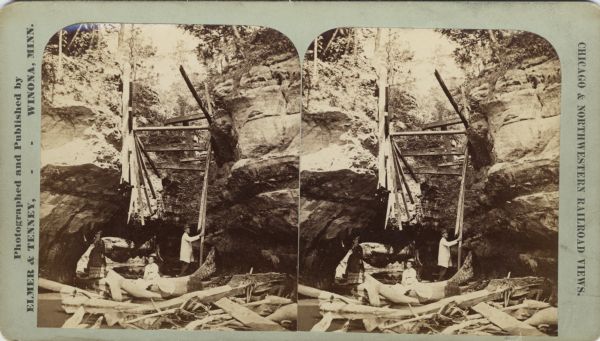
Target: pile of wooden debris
{"points": [[245, 302], [509, 306]]}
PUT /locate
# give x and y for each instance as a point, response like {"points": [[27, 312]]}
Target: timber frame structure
{"points": [[393, 166], [135, 158]]}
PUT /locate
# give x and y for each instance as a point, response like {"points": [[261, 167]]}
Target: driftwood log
{"points": [[505, 321], [344, 310], [247, 316]]}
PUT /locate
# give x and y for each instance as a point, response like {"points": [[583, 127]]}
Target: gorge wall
{"points": [[511, 204], [253, 191]]}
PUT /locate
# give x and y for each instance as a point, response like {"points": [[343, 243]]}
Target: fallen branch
{"points": [[247, 316], [505, 321], [197, 323], [63, 288], [322, 294], [160, 313], [287, 312], [324, 324], [74, 320], [456, 327], [204, 296], [273, 300], [414, 319], [359, 310]]}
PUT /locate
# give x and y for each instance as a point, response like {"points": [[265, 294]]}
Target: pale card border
{"points": [[563, 24]]}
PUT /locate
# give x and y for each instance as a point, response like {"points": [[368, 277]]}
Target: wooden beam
{"points": [[396, 154], [183, 148], [201, 157], [451, 164], [408, 167], [145, 169], [247, 316], [505, 321], [179, 168], [451, 99], [145, 153], [427, 132], [430, 171], [203, 203], [171, 128], [195, 94], [441, 124], [184, 119], [461, 205], [144, 179], [433, 152]]}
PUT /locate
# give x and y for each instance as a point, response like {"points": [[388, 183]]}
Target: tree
{"points": [[481, 51]]}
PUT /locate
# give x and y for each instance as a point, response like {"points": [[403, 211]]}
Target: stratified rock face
{"points": [[79, 184], [77, 135], [338, 187], [264, 105], [253, 212], [76, 201], [518, 209], [252, 216]]}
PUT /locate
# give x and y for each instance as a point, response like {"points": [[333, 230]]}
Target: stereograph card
{"points": [[218, 169]]}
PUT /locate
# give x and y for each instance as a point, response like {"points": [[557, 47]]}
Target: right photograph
{"points": [[429, 175]]}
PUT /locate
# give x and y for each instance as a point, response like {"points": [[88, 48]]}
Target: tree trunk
{"points": [[59, 68], [315, 68]]}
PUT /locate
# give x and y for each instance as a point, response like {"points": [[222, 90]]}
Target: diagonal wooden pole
{"points": [[195, 94], [461, 206], [203, 203], [451, 99]]}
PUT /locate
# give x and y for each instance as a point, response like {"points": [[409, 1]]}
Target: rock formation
{"points": [[253, 192], [511, 208]]}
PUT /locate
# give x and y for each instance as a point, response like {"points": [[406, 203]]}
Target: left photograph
{"points": [[169, 178]]}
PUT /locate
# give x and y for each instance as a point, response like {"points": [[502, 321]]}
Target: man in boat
{"points": [[186, 254], [355, 267], [97, 260], [444, 259]]}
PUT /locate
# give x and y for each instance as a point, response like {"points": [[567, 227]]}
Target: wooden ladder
{"points": [[398, 162]]}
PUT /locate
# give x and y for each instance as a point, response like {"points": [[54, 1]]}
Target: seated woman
{"points": [[151, 273], [409, 275], [411, 290]]}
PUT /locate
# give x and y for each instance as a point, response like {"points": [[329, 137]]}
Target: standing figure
{"points": [[444, 260], [97, 260], [156, 247], [186, 254], [355, 267]]}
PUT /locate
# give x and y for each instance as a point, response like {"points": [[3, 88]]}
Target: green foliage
{"points": [[481, 50], [335, 44], [239, 47]]}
